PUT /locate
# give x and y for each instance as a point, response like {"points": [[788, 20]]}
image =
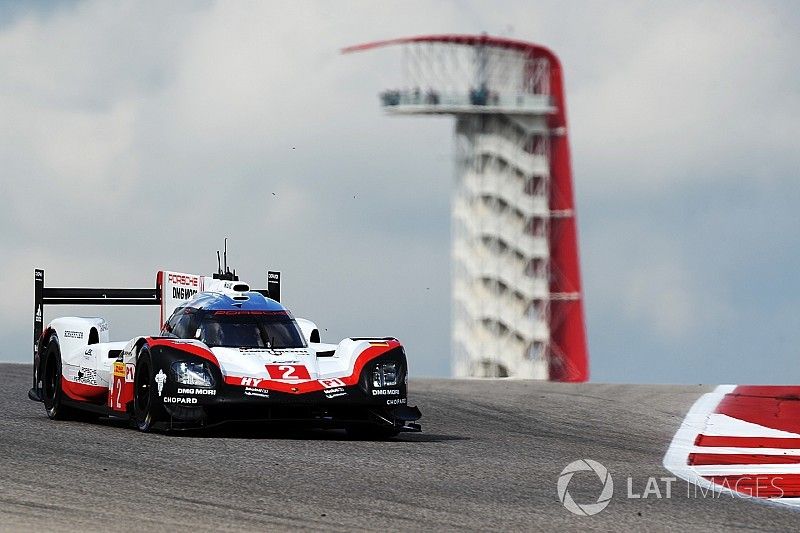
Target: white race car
{"points": [[224, 353]]}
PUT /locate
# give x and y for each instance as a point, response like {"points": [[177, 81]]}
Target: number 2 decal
{"points": [[288, 372], [119, 393]]}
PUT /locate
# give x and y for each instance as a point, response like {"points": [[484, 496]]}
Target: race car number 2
{"points": [[289, 372]]}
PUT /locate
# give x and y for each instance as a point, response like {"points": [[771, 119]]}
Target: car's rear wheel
{"points": [[146, 407], [52, 393]]}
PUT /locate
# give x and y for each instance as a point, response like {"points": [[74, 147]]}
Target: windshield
{"points": [[248, 329]]}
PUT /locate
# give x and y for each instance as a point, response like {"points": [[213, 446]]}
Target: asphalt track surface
{"points": [[488, 458]]}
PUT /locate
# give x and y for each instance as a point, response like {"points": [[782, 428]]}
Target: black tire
{"points": [[147, 409], [52, 394], [372, 432]]}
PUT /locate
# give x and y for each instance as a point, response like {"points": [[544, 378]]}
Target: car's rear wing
{"points": [[171, 289]]}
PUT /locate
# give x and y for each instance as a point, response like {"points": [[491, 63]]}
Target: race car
{"points": [[224, 353]]}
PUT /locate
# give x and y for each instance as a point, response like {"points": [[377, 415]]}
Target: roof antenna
{"points": [[223, 272]]}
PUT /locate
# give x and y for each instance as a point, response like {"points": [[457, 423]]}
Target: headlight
{"points": [[385, 374], [196, 374]]}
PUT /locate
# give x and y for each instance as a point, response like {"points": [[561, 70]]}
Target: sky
{"points": [[135, 136]]}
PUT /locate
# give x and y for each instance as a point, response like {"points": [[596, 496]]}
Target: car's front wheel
{"points": [[146, 406]]}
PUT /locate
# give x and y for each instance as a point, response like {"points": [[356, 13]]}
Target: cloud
{"points": [[137, 141], [136, 136], [705, 88]]}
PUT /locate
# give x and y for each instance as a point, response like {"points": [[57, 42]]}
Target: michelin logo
{"points": [[161, 378], [261, 393], [335, 392]]}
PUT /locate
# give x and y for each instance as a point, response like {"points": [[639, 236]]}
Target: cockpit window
{"points": [[186, 323], [251, 329]]}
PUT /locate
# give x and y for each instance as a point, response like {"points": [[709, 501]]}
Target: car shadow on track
{"points": [[237, 431], [269, 431]]}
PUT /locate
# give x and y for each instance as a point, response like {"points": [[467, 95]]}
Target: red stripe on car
{"points": [[303, 387], [187, 347]]}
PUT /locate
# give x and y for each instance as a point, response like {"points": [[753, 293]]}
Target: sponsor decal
{"points": [[38, 316], [88, 352], [335, 392], [168, 399], [87, 376], [183, 279], [130, 371], [161, 378], [182, 293], [251, 382], [198, 391], [396, 401], [119, 370], [331, 383], [385, 392], [261, 393], [224, 312], [73, 334]]}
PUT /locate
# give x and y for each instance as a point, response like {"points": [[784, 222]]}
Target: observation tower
{"points": [[517, 307]]}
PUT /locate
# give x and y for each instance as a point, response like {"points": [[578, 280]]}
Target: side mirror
{"points": [[309, 329]]}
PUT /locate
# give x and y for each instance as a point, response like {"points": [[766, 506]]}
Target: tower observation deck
{"points": [[517, 306]]}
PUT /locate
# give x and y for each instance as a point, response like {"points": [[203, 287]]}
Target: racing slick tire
{"points": [[147, 409], [52, 393], [371, 432]]}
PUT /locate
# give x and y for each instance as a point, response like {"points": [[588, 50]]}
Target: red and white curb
{"points": [[742, 440]]}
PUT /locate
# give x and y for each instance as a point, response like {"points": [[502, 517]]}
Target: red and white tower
{"points": [[517, 302]]}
